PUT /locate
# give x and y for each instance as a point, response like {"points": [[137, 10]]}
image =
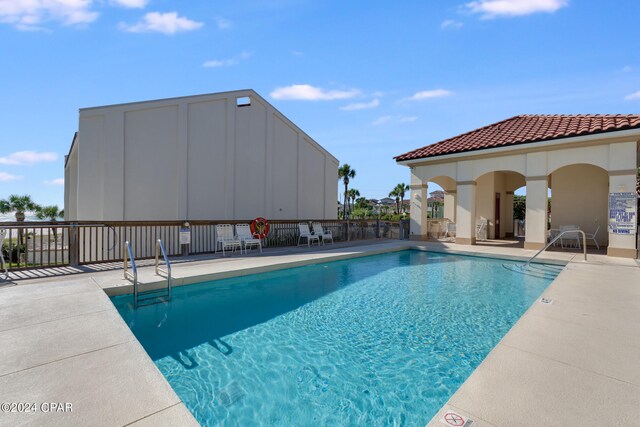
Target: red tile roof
{"points": [[525, 129]]}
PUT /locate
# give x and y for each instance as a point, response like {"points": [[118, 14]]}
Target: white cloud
{"points": [[407, 119], [428, 94], [132, 4], [361, 105], [57, 181], [507, 8], [215, 63], [28, 158], [386, 120], [5, 177], [451, 24], [633, 96], [297, 53], [626, 69], [166, 23], [223, 24], [311, 93], [29, 15]]}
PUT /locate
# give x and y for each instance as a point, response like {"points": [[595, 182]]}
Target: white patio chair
{"points": [[442, 229], [572, 239], [481, 230], [305, 233], [552, 233], [243, 233], [3, 233], [592, 236], [322, 233], [225, 238], [451, 230]]}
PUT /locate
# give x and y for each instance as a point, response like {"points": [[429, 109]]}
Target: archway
{"points": [[580, 197], [495, 192], [441, 202]]}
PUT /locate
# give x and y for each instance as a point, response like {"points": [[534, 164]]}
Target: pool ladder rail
{"points": [[153, 296], [541, 270]]}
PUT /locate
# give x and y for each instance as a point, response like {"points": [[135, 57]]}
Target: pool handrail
{"points": [[131, 276], [167, 271], [584, 244]]}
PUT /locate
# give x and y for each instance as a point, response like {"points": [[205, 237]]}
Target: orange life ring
{"points": [[260, 227]]}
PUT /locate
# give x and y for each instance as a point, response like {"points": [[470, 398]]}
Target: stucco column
{"points": [[450, 203], [622, 245], [508, 221], [536, 214], [418, 212], [466, 213]]}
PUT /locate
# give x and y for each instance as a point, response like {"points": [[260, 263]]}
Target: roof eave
{"points": [[523, 146], [73, 144]]}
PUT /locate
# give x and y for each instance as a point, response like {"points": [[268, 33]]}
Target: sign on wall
{"points": [[185, 236], [623, 210]]}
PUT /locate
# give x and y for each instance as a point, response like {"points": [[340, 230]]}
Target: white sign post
{"points": [[185, 239], [623, 212], [185, 236]]}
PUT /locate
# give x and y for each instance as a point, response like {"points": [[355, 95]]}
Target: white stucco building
{"points": [[585, 160], [218, 156]]}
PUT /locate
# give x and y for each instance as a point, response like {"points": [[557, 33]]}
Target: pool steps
{"points": [[535, 270]]}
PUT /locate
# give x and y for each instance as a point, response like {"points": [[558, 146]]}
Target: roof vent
{"points": [[243, 101]]}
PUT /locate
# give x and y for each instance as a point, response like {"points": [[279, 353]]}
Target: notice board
{"points": [[623, 210]]}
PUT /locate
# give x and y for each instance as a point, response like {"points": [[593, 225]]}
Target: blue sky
{"points": [[367, 80]]}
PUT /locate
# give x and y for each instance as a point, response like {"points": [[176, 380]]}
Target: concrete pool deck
{"points": [[572, 362]]}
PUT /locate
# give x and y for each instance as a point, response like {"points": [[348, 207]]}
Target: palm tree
{"points": [[362, 202], [345, 173], [353, 194], [402, 189], [395, 195], [17, 204], [52, 213]]}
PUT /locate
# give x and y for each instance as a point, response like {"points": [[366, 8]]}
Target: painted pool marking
{"points": [[454, 419], [546, 300]]}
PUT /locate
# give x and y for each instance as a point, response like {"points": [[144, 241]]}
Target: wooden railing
{"points": [[31, 245], [35, 244]]}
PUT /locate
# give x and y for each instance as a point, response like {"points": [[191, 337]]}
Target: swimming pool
{"points": [[377, 340]]}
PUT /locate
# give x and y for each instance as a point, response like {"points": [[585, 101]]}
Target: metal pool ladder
{"points": [[153, 296]]}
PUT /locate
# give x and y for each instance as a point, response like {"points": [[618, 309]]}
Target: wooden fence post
{"points": [[74, 247]]}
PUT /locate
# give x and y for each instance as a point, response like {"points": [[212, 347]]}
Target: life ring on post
{"points": [[260, 227]]}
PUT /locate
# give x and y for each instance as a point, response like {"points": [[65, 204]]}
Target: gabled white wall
{"points": [[201, 157]]}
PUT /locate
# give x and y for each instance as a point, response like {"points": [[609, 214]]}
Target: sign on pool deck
{"points": [[623, 209], [452, 418]]}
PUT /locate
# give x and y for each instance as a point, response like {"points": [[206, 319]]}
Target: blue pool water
{"points": [[377, 341]]}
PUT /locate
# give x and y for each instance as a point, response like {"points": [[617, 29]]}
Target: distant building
{"points": [[227, 155], [436, 196]]}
